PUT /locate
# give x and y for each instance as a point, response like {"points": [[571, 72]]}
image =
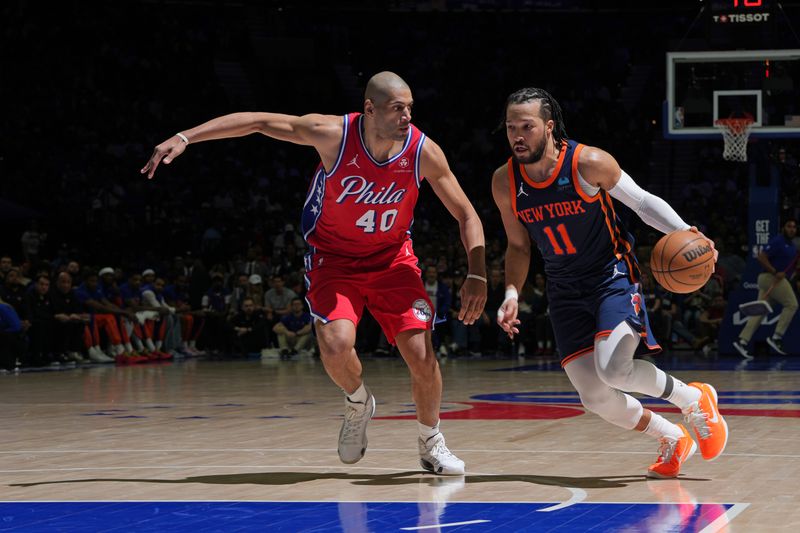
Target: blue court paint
{"points": [[351, 516]]}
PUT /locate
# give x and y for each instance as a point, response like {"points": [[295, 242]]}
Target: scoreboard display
{"points": [[737, 12], [742, 23]]}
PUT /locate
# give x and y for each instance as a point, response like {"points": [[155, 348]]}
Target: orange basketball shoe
{"points": [[707, 422], [672, 454]]}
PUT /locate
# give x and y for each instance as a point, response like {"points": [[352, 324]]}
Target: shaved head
{"points": [[381, 86]]}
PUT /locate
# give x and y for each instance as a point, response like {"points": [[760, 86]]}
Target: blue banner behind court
{"points": [[763, 224]]}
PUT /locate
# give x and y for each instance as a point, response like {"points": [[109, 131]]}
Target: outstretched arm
{"points": [[599, 169], [323, 132], [433, 165], [518, 252]]}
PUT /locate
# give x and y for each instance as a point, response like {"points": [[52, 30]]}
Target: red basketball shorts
{"points": [[389, 285]]}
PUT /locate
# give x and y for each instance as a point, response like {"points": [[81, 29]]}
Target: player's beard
{"points": [[534, 156]]}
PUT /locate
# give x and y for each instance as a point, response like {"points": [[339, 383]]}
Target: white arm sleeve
{"points": [[650, 208]]}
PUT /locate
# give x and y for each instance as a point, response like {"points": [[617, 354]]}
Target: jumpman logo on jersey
{"points": [[521, 191], [616, 273], [354, 162]]}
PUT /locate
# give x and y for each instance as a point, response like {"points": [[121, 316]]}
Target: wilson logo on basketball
{"points": [[691, 255]]}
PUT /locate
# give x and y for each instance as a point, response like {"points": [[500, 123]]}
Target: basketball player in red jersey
{"points": [[559, 193], [357, 219]]}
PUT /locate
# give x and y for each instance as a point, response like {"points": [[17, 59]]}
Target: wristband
{"points": [[475, 276], [183, 137], [511, 294]]}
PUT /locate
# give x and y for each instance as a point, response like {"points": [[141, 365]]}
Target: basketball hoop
{"points": [[735, 132]]}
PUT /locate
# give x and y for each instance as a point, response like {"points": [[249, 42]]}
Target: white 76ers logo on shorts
{"points": [[422, 310]]}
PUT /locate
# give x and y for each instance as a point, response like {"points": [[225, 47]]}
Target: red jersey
{"points": [[363, 207]]}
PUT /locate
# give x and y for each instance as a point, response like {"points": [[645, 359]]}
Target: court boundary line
{"points": [[382, 450]]}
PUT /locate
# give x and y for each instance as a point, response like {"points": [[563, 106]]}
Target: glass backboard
{"points": [[705, 86]]}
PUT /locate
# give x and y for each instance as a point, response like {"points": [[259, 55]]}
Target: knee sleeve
{"points": [[617, 368], [608, 403]]}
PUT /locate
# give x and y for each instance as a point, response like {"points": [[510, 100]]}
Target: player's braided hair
{"points": [[549, 109]]}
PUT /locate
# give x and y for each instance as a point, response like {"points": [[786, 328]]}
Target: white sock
{"points": [[158, 345], [426, 432], [128, 347], [661, 427], [359, 395], [681, 394]]}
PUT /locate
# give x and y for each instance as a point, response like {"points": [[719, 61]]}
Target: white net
{"points": [[735, 132]]}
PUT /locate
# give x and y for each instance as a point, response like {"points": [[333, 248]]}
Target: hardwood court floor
{"points": [[116, 445]]}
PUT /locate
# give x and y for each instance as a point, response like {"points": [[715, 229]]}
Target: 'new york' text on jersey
{"points": [[578, 235]]}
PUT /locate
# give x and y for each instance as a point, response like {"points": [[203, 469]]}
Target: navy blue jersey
{"points": [[578, 235]]}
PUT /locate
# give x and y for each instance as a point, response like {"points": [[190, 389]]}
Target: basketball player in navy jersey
{"points": [[357, 220], [559, 193]]}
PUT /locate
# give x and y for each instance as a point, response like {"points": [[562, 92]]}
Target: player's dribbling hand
{"points": [[710, 243], [473, 298], [166, 151], [507, 317]]}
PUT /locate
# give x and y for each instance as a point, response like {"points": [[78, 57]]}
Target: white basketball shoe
{"points": [[353, 435], [434, 456]]}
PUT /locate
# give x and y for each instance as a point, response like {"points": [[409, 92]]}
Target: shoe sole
{"points": [[364, 449], [725, 424], [430, 468], [742, 352], [652, 474], [775, 347]]}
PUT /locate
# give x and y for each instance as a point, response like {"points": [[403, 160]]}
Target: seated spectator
{"points": [[163, 327], [109, 287], [137, 335], [12, 347], [215, 304], [294, 330], [192, 320], [5, 265], [103, 318], [239, 292], [288, 236], [249, 328], [70, 326], [279, 298], [38, 311], [12, 291], [255, 291]]}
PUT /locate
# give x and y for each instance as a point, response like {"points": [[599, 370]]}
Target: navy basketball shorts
{"points": [[586, 310]]}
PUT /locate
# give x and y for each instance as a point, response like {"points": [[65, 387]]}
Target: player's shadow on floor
{"points": [[398, 478]]}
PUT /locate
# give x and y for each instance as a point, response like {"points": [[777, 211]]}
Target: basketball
{"points": [[682, 261]]}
